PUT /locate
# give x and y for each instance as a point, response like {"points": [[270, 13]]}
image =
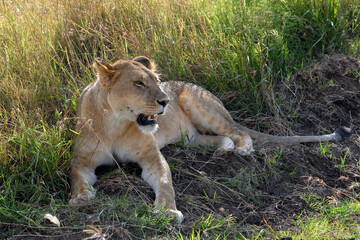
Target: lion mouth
{"points": [[144, 120]]}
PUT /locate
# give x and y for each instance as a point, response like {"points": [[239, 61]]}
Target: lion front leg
{"points": [[156, 172], [82, 180], [83, 176]]}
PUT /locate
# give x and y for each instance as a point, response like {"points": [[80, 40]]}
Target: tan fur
{"points": [[108, 111]]}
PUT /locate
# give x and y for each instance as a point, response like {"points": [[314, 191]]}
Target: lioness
{"points": [[121, 117]]}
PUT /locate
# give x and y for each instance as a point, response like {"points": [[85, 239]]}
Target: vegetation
{"points": [[237, 48]]}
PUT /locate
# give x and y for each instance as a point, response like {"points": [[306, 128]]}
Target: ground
{"points": [[269, 188]]}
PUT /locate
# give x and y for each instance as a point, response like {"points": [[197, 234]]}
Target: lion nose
{"points": [[163, 102]]}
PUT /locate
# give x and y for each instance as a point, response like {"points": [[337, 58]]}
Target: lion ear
{"points": [[105, 75], [145, 61]]}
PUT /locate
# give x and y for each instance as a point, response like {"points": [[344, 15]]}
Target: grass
{"points": [[334, 220], [234, 48]]}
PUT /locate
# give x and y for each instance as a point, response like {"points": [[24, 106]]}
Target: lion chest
{"points": [[131, 146]]}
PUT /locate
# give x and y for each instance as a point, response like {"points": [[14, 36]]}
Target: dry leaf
{"points": [[96, 233], [52, 219]]}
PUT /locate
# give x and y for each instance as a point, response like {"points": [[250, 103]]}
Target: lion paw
{"points": [[171, 212], [244, 151], [246, 147], [82, 197], [226, 144], [177, 214]]}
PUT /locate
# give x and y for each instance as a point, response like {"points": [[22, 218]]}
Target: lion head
{"points": [[133, 91]]}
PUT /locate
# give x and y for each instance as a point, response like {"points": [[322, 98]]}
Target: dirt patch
{"points": [[327, 94]]}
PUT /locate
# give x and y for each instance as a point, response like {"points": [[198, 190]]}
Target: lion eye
{"points": [[139, 84]]}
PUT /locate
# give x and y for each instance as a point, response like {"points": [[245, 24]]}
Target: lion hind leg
{"points": [[208, 114], [223, 143]]}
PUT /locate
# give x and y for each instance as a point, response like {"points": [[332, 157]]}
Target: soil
{"points": [[268, 188]]}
